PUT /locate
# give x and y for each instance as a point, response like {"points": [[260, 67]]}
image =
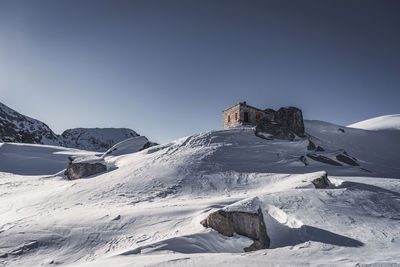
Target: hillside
{"points": [[15, 127], [94, 139], [146, 209], [388, 122], [18, 128]]}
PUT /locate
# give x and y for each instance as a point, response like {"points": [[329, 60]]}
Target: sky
{"points": [[168, 68]]}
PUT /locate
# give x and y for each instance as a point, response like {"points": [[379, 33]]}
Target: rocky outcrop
{"points": [[80, 168], [321, 182], [323, 159], [285, 124], [304, 160], [311, 145], [243, 223], [292, 119], [346, 158], [15, 127]]}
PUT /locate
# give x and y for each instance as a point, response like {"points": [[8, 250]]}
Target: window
{"points": [[229, 118], [258, 116], [236, 115], [246, 116]]}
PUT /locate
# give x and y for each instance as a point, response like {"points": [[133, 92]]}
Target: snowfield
{"points": [[388, 122], [146, 209]]}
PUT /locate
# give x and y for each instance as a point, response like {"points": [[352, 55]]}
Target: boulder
{"points": [[80, 168], [345, 158], [311, 145], [323, 159], [243, 223], [285, 124], [322, 182], [292, 119], [304, 160], [270, 130]]}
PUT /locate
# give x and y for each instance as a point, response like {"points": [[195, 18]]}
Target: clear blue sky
{"points": [[167, 68]]}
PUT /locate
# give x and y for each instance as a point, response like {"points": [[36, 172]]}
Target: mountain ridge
{"points": [[19, 128]]}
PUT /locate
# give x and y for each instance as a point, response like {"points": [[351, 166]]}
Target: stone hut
{"points": [[242, 114], [283, 122]]}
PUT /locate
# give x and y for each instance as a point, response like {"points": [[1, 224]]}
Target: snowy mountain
{"points": [[18, 128], [15, 127], [388, 122], [147, 208], [94, 139]]}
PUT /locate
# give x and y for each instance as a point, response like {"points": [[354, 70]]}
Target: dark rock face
{"points": [[311, 145], [285, 124], [292, 119], [15, 127], [83, 169], [323, 159], [304, 160], [243, 223], [319, 149], [321, 182], [345, 158]]}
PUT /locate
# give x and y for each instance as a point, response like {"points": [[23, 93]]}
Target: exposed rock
{"points": [[267, 130], [311, 145], [323, 159], [320, 149], [15, 127], [345, 158], [84, 168], [341, 130], [285, 124], [243, 223], [304, 160], [321, 182], [292, 119]]}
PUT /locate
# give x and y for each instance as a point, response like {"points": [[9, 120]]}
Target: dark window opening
{"points": [[258, 116], [229, 118], [236, 116], [246, 116]]}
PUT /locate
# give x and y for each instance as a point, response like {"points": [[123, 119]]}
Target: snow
{"points": [[94, 139], [146, 211], [130, 145], [388, 122]]}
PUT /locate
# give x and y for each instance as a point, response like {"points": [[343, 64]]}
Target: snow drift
{"points": [[147, 209]]}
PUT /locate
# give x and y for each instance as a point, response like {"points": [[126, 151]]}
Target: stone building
{"points": [[242, 114], [284, 123]]}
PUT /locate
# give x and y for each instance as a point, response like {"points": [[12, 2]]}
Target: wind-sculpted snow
{"points": [[146, 211], [388, 122]]}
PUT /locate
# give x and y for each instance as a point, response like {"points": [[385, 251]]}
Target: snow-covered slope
{"points": [[147, 210], [95, 139], [15, 127], [128, 146], [388, 122]]}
